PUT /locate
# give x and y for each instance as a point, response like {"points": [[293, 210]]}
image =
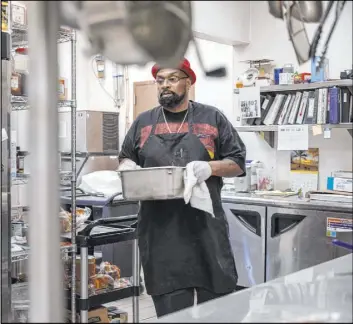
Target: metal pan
{"points": [[160, 183]]}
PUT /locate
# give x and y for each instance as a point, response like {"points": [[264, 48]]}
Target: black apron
{"points": [[180, 246]]}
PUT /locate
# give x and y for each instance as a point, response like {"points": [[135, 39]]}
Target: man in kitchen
{"points": [[183, 249]]}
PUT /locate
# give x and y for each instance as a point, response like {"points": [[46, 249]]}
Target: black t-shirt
{"points": [[213, 129], [171, 117]]}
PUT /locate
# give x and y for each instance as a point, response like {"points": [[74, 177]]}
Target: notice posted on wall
{"points": [[249, 102], [293, 137], [338, 225]]}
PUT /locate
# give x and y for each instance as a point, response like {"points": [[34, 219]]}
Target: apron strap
{"points": [[191, 117], [156, 120]]}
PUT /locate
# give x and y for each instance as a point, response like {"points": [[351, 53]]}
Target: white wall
{"points": [[217, 92], [269, 39], [226, 21]]}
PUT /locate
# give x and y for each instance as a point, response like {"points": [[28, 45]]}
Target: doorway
{"points": [[145, 96]]}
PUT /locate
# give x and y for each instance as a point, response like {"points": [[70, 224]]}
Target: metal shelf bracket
{"points": [[269, 138], [350, 88]]}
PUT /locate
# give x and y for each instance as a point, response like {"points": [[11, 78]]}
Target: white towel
{"points": [[197, 194]]}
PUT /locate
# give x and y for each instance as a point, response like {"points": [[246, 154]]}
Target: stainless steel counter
{"points": [[322, 293], [288, 202]]}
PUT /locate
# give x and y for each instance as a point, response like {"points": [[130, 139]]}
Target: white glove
{"points": [[202, 171], [127, 165]]}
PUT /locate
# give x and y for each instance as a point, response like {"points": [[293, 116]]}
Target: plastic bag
{"points": [[102, 281], [109, 269], [91, 288], [105, 182], [122, 283], [82, 214], [65, 221]]}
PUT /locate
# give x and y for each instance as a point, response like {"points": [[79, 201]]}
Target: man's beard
{"points": [[172, 100]]}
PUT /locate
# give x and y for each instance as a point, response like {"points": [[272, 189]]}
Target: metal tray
{"points": [[159, 183]]}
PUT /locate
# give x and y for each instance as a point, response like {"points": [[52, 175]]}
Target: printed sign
{"points": [[293, 137], [339, 225], [249, 102]]}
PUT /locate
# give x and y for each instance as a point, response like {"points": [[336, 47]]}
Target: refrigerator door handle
{"points": [[243, 215], [276, 229]]}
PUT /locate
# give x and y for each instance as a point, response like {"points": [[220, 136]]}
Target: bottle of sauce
{"points": [[18, 84], [62, 87], [21, 162], [15, 84], [239, 83]]}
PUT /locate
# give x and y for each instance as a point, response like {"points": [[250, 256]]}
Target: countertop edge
{"points": [[288, 202]]}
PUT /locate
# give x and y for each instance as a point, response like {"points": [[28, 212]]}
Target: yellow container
{"points": [[5, 16]]}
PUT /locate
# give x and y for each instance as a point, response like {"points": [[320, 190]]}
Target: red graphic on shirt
{"points": [[145, 132], [205, 132], [208, 143], [174, 127], [206, 129], [207, 135]]}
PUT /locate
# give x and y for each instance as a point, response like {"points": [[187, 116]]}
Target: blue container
{"points": [[321, 74], [276, 73]]}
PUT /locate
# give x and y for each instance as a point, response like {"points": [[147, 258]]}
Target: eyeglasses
{"points": [[170, 80]]}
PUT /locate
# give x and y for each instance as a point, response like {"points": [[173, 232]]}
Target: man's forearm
{"points": [[225, 168]]}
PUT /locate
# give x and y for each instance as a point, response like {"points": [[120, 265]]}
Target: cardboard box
{"points": [[98, 315], [117, 315]]}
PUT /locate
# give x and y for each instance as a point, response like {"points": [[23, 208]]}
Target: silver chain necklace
{"points": [[165, 120]]}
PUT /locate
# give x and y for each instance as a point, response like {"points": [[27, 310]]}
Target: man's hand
{"points": [[127, 164], [202, 171]]}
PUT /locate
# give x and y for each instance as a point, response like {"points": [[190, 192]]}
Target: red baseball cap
{"points": [[183, 66]]}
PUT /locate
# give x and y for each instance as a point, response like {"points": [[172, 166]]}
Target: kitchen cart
{"points": [[102, 232]]}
